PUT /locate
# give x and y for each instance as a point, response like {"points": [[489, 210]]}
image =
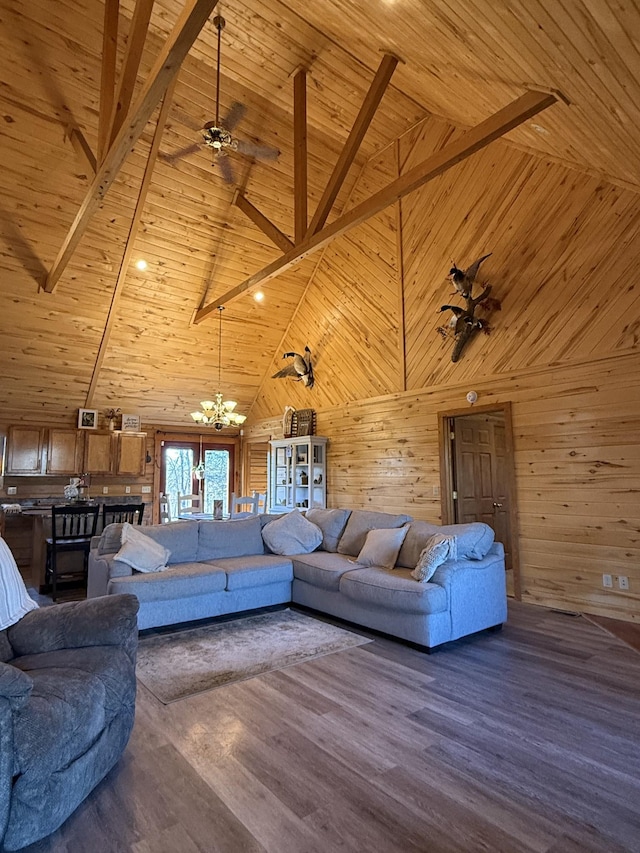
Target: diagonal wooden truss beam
{"points": [[131, 239], [265, 225], [108, 73], [347, 155], [83, 149], [518, 111], [300, 155], [130, 66], [164, 70]]}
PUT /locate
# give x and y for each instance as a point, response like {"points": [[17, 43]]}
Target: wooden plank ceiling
{"points": [[461, 61]]}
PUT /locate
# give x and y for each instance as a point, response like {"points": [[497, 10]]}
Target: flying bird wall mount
{"points": [[300, 369], [464, 324]]}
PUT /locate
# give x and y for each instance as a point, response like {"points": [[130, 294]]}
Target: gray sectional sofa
{"points": [[217, 568]]}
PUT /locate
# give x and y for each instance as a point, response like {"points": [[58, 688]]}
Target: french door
{"points": [[197, 467]]}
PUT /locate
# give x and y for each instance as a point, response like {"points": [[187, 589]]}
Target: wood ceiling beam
{"points": [[107, 73], [300, 154], [164, 70], [492, 128], [367, 111], [265, 225], [83, 149], [131, 239], [130, 65]]}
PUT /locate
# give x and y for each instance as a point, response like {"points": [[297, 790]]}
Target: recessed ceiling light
{"points": [[539, 129], [142, 264], [258, 296]]}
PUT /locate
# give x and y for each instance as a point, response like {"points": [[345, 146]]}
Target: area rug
{"points": [[174, 666]]}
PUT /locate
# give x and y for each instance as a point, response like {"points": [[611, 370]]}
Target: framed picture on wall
{"points": [[87, 418], [131, 423]]}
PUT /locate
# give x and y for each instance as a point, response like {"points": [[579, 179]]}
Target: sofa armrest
{"points": [[107, 621], [15, 686], [101, 568]]}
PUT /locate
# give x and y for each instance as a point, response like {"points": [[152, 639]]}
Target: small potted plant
{"points": [[111, 415]]}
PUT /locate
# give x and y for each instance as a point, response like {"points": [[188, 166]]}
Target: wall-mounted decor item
{"points": [[304, 422], [464, 324], [87, 419], [300, 368], [131, 423], [287, 422]]}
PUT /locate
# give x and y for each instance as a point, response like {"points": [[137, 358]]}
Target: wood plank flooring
{"points": [[526, 741]]}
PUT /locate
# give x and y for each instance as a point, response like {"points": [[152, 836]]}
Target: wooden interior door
{"points": [[480, 474], [478, 477]]}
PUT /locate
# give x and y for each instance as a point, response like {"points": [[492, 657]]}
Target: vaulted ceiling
{"points": [[460, 60]]}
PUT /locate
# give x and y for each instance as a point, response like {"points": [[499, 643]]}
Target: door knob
{"points": [[496, 504]]}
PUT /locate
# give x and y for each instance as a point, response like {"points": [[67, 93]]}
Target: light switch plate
{"points": [[12, 490], [146, 490]]}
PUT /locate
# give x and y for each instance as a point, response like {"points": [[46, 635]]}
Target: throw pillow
{"points": [[332, 523], [291, 534], [14, 598], [140, 551], [381, 547], [361, 521], [438, 549]]}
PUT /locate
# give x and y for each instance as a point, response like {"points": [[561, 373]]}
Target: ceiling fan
{"points": [[217, 134]]}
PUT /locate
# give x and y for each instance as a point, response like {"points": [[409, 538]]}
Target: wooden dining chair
{"points": [[243, 506], [188, 504], [113, 513], [71, 530]]}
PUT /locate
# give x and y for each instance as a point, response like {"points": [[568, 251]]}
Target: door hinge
{"points": [[454, 495], [452, 436]]}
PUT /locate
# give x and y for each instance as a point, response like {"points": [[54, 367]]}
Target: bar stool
{"points": [[113, 513], [71, 530]]}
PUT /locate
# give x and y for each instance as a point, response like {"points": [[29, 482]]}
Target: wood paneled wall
{"points": [[564, 350]]}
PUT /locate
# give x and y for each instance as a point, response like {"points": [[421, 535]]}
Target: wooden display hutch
{"points": [[298, 473]]}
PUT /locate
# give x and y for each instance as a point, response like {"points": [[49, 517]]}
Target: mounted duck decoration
{"points": [[464, 324], [300, 368]]}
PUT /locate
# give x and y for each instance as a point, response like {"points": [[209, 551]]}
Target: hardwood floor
{"points": [[525, 741]]}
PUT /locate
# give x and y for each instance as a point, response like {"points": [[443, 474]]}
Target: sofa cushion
{"points": [[140, 551], [472, 540], [393, 590], [179, 581], [110, 539], [360, 522], [14, 598], [292, 534], [234, 538], [180, 537], [76, 692], [381, 547], [438, 550], [262, 569], [321, 569], [332, 523]]}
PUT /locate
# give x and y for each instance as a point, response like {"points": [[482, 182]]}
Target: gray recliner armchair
{"points": [[67, 703]]}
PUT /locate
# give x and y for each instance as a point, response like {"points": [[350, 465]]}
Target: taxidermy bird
{"points": [[463, 279], [300, 368]]}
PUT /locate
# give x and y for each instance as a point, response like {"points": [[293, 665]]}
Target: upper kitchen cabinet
{"points": [[65, 451], [24, 450]]}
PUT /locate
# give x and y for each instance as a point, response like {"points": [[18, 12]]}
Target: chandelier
{"points": [[218, 413]]}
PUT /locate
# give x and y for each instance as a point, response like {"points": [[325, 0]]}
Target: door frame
{"points": [[447, 473]]}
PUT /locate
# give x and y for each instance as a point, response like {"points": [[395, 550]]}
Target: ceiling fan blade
{"points": [[254, 149], [236, 113], [186, 119], [180, 153], [226, 169]]}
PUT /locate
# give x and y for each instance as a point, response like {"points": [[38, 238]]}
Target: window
{"points": [[182, 474]]}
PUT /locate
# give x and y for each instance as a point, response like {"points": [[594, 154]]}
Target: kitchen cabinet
{"points": [[298, 473], [98, 452], [24, 450], [65, 451], [130, 453]]}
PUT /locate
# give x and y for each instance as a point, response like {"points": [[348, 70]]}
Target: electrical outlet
{"points": [[12, 490], [623, 582], [105, 490], [146, 490], [127, 490], [607, 581]]}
